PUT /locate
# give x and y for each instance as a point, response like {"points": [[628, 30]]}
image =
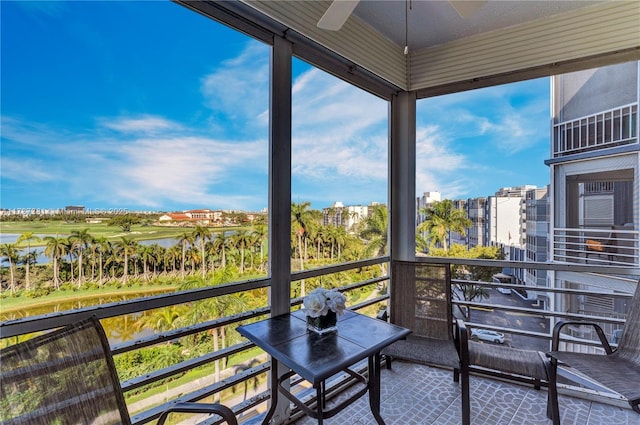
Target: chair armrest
{"points": [[558, 327], [219, 409], [462, 341]]}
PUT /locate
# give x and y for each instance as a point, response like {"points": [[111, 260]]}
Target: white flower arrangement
{"points": [[319, 301]]}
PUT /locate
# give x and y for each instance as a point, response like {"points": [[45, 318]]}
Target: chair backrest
{"points": [[421, 299], [63, 377], [629, 346]]}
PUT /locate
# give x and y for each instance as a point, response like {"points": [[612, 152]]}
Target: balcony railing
{"points": [[17, 328], [597, 246], [606, 129], [560, 305]]}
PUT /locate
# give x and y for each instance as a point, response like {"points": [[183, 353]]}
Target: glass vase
{"points": [[323, 324]]}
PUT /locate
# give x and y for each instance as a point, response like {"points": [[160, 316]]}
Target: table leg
{"points": [[274, 392], [320, 402], [374, 387]]}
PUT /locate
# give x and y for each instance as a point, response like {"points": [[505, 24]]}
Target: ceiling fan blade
{"points": [[337, 14], [466, 8]]}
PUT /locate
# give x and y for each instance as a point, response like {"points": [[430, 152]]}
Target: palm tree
{"points": [[261, 233], [255, 243], [422, 243], [241, 240], [157, 255], [80, 239], [55, 248], [375, 231], [28, 237], [440, 219], [202, 234], [171, 255], [340, 236], [243, 367], [220, 243], [184, 239], [69, 253], [299, 217], [9, 252], [127, 246], [319, 238], [146, 254], [104, 247], [193, 257]]}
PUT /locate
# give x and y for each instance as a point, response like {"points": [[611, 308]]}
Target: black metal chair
{"points": [[68, 376], [527, 366], [421, 301], [619, 369]]}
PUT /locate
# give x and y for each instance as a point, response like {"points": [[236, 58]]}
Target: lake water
{"points": [[118, 329]]}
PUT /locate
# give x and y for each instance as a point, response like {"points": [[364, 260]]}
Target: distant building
{"points": [[455, 237], [495, 220], [74, 209], [204, 217], [339, 215], [537, 239], [503, 220], [476, 212], [424, 201]]}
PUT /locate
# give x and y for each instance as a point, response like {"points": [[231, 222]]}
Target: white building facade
{"points": [[347, 216], [595, 184]]}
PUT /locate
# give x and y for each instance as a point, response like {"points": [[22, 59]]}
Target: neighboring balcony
{"points": [[607, 129], [606, 247], [244, 386]]}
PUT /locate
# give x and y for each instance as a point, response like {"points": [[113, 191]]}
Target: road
{"points": [[515, 320]]}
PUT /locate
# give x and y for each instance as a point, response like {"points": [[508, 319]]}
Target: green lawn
{"points": [[194, 374], [138, 232]]}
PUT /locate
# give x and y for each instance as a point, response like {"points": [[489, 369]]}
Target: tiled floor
{"points": [[419, 395]]}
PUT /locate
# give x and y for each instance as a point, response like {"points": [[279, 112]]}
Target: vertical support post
{"points": [[402, 166], [280, 177], [280, 200]]}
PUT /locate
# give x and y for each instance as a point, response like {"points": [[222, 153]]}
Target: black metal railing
{"points": [[559, 305], [30, 325]]}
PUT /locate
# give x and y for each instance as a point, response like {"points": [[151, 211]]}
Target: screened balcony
{"points": [[364, 55], [245, 388]]}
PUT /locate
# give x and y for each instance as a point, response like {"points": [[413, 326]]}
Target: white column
{"points": [[402, 184]]}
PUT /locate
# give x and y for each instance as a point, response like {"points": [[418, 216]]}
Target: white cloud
{"points": [[147, 170], [181, 169], [339, 133], [26, 170], [437, 166], [238, 89], [142, 124]]}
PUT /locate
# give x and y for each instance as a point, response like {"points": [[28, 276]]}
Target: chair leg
{"points": [[536, 384], [387, 361], [466, 403], [553, 412]]}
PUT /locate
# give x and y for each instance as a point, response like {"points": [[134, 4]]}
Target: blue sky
{"points": [[149, 106]]}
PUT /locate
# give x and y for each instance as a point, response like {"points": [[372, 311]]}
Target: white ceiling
{"points": [[502, 41], [434, 22]]}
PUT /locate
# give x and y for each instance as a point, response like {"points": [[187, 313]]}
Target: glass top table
{"points": [[316, 358]]}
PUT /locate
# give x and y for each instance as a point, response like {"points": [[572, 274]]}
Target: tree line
{"points": [[81, 259]]}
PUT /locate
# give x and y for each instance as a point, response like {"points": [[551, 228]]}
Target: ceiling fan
{"points": [[339, 11]]}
